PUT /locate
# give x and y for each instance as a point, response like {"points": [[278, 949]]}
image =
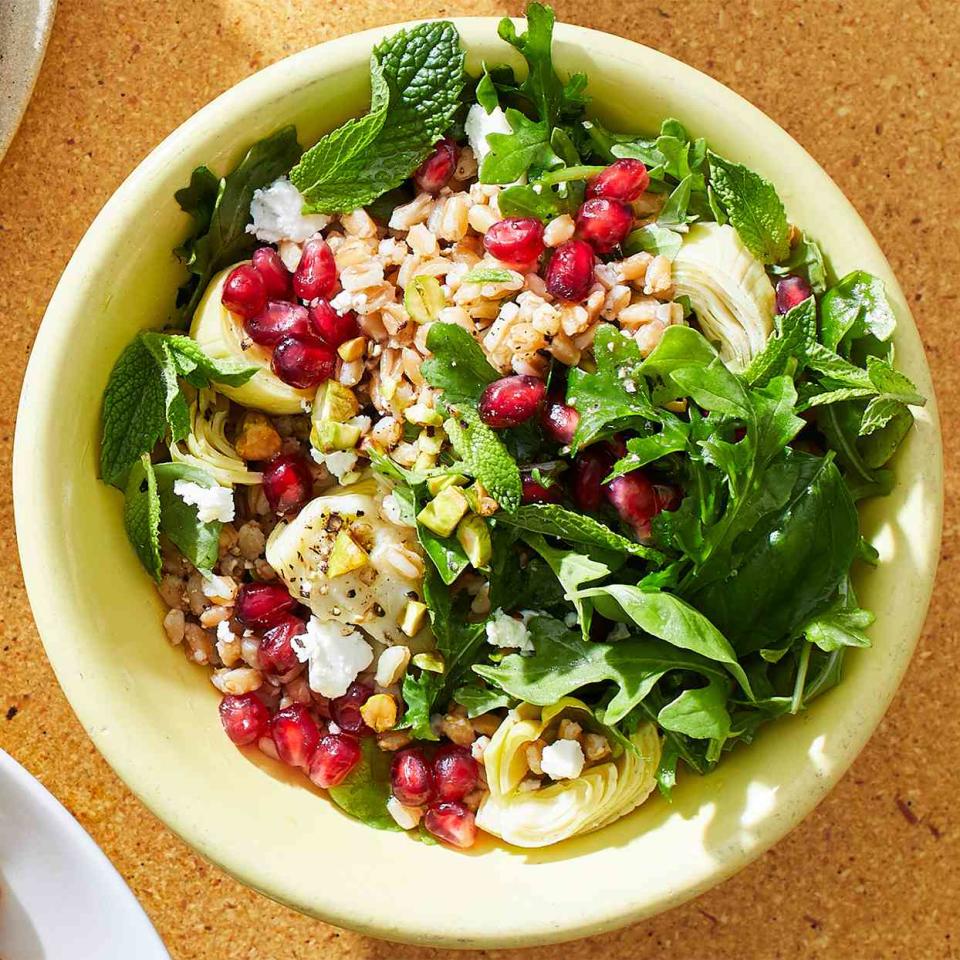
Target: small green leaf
{"points": [[512, 154], [700, 712], [855, 307], [365, 791], [479, 699], [141, 516], [787, 351], [458, 366], [484, 455], [654, 238], [199, 541]]}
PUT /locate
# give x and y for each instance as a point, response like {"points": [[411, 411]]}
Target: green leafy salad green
{"points": [[652, 560]]}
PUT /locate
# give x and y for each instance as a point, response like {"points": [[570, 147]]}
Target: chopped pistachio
{"points": [[334, 401], [328, 435], [422, 415], [412, 618], [347, 555], [480, 501], [431, 662], [474, 536], [436, 484], [423, 299], [444, 511]]}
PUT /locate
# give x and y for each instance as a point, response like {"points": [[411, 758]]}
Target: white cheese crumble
{"points": [[333, 728], [405, 817], [479, 124], [562, 760], [212, 503], [477, 748], [347, 300], [506, 631], [340, 462], [224, 633], [333, 658], [218, 587], [277, 213]]}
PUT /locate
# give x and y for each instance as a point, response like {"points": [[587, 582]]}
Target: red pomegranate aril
{"points": [[791, 292], [334, 758], [589, 470], [510, 401], [277, 320], [635, 500], [453, 823], [244, 717], [277, 279], [455, 772], [295, 734], [332, 327], [303, 363], [345, 710], [316, 274], [624, 179], [411, 778], [244, 292], [437, 169], [533, 492], [604, 223], [569, 273], [276, 649], [516, 242], [261, 605], [287, 483], [558, 420]]}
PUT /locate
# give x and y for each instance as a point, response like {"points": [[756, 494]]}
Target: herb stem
{"points": [[581, 172], [796, 702]]}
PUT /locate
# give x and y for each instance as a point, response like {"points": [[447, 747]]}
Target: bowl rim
{"points": [[343, 52]]}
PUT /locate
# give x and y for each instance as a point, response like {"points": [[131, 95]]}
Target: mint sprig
{"points": [[416, 80]]}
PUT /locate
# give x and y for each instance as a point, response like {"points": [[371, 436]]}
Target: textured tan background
{"points": [[870, 89]]}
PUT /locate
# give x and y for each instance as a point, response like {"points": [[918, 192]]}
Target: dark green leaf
{"points": [[699, 712], [365, 791], [856, 306], [458, 366], [198, 541], [653, 238], [141, 515], [479, 699]]}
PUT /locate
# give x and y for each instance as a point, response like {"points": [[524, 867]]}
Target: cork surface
{"points": [[869, 88]]}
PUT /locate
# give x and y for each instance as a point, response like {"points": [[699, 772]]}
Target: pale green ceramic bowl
{"points": [[154, 716]]}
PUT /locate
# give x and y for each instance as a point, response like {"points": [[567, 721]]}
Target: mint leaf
{"points": [[458, 367], [653, 238], [219, 236], [787, 351], [416, 80], [199, 370], [141, 516], [754, 209], [489, 275], [891, 383], [484, 455], [198, 541], [134, 412], [556, 521], [855, 307]]}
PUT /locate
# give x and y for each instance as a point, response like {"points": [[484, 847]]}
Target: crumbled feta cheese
{"points": [[277, 213], [505, 631], [392, 665], [224, 633], [334, 658], [405, 817], [478, 746], [479, 124], [347, 300], [391, 512], [333, 728], [219, 587], [562, 760], [212, 503], [340, 462]]}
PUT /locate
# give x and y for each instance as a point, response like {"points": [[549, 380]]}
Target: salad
{"points": [[499, 466]]}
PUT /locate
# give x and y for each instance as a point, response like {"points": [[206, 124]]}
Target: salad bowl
{"points": [[149, 712]]}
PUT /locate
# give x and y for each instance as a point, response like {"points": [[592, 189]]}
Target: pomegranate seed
{"points": [[635, 500], [589, 469], [624, 179], [516, 242], [438, 168], [791, 292], [277, 280], [334, 758], [510, 401], [455, 772], [244, 292], [411, 778], [316, 274], [345, 710], [570, 270], [276, 650], [295, 734], [244, 717], [453, 823], [287, 483], [558, 420], [262, 605], [604, 223], [332, 327], [668, 497], [278, 319], [534, 492], [303, 363]]}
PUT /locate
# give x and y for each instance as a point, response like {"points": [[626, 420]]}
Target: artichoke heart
{"points": [[374, 594], [222, 337], [601, 794], [730, 293]]}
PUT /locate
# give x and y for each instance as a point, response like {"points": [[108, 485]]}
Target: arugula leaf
{"points": [[141, 516], [220, 235], [699, 712], [486, 92], [478, 699], [787, 352], [674, 212], [855, 307], [458, 367], [753, 207], [512, 154], [416, 80], [653, 238], [563, 662], [556, 521], [366, 789], [445, 552], [674, 437], [420, 694], [199, 541], [521, 200], [841, 625]]}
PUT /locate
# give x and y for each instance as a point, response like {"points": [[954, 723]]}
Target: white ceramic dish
{"points": [[60, 897]]}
